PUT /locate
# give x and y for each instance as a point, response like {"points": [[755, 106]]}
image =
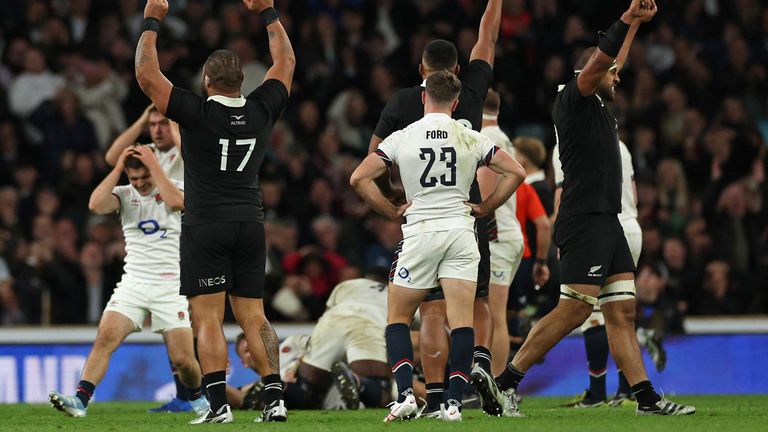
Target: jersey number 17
{"points": [[224, 143]]}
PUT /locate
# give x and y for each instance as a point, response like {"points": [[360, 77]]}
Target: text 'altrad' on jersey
{"points": [[224, 140]]}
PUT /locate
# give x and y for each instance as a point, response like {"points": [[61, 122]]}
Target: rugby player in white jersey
{"points": [[595, 338], [352, 329], [150, 212], [165, 139], [437, 157], [505, 238]]}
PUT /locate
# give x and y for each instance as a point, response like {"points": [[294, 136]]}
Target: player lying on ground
{"points": [[223, 252], [150, 212], [596, 263], [352, 329], [438, 158]]}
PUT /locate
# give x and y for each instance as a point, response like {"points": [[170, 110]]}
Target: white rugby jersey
{"points": [[628, 215], [151, 233], [438, 158], [170, 162], [506, 215], [360, 297]]}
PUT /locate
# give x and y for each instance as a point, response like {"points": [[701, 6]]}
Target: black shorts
{"points": [[225, 256], [592, 248], [521, 285]]}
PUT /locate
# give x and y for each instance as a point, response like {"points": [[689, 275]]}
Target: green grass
{"points": [[714, 413]]}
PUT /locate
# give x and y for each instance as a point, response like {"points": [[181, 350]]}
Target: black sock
{"points": [[181, 390], [371, 390], [85, 391], [216, 386], [460, 359], [194, 393], [273, 388], [482, 356], [645, 394], [435, 395], [596, 342], [510, 378], [624, 387], [400, 353]]}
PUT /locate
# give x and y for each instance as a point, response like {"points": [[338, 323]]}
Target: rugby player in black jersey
{"points": [[224, 137], [404, 108], [596, 265]]}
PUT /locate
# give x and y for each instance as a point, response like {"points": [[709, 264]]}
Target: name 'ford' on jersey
{"points": [[151, 234], [224, 140], [438, 158]]}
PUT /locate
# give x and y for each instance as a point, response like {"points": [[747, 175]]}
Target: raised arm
{"points": [[362, 181], [102, 200], [151, 80], [127, 138], [488, 34], [511, 175], [283, 58], [172, 196], [612, 43]]}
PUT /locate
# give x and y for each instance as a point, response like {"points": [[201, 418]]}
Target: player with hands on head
{"points": [[223, 251], [150, 212]]}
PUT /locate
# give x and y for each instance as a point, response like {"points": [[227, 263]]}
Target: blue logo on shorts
{"points": [[404, 274]]}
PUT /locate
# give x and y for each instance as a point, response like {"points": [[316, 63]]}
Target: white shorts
{"points": [[162, 300], [426, 258], [338, 336], [506, 256], [634, 236]]}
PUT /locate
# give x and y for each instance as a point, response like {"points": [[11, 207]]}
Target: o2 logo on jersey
{"points": [[151, 226], [404, 274]]}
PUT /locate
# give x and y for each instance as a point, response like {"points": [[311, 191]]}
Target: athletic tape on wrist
{"points": [[151, 24], [269, 15], [614, 38]]}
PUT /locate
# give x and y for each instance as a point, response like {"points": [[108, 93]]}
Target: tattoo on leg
{"points": [[269, 339]]}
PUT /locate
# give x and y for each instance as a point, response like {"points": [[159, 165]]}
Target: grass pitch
{"points": [[714, 413]]}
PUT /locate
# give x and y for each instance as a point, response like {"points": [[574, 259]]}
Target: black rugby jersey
{"points": [[588, 137], [405, 106], [223, 144]]}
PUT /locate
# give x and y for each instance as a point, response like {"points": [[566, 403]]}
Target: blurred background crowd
{"points": [[692, 107]]}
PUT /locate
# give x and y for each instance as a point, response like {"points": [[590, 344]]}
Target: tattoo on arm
{"points": [[269, 339]]}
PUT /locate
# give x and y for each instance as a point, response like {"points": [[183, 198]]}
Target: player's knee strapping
{"points": [[617, 291], [567, 293]]}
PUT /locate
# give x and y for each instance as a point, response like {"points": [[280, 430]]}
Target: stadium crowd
{"points": [[692, 107]]}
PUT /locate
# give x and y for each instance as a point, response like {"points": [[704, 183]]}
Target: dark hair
{"points": [[443, 87], [378, 274], [224, 71], [132, 162], [492, 102], [440, 55]]}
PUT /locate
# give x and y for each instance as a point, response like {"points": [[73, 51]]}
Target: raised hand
{"points": [[120, 164], [642, 10], [147, 156], [156, 9], [258, 5]]}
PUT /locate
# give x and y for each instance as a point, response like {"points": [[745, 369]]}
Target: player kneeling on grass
{"points": [[150, 212], [438, 158]]}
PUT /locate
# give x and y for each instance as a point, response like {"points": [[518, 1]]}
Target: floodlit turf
{"points": [[714, 413]]}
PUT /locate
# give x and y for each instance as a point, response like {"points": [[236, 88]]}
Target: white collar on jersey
{"points": [[436, 114], [537, 176], [237, 102]]}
